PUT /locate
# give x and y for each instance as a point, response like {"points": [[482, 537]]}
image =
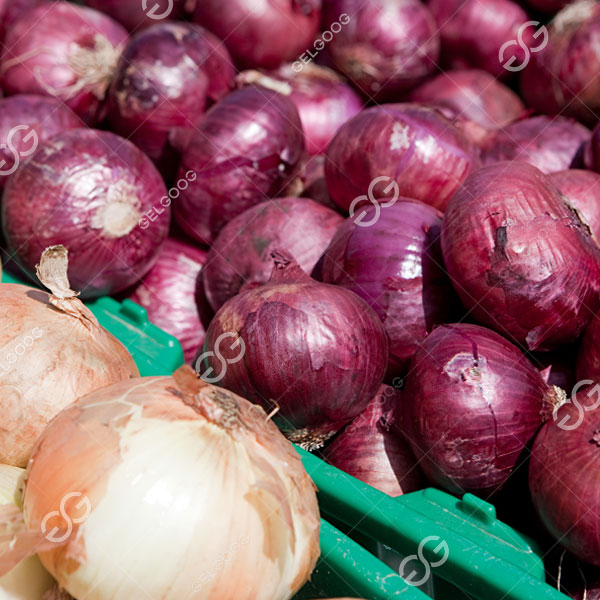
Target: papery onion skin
{"points": [[31, 119], [155, 448], [519, 258], [324, 101], [88, 190], [550, 144], [370, 451], [563, 77], [49, 51], [330, 348], [167, 292], [473, 33], [582, 190], [563, 476], [474, 95], [240, 257], [262, 34], [246, 150], [167, 76], [471, 403], [414, 146], [385, 47], [396, 266]]}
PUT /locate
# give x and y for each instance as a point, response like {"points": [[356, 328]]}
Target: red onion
{"points": [[138, 14], [582, 190], [314, 351], [472, 402], [323, 100], [550, 144], [26, 120], [88, 190], [240, 257], [261, 34], [11, 11], [414, 146], [483, 34], [563, 77], [246, 150], [472, 95], [63, 50], [166, 78], [564, 476], [395, 265], [385, 47], [519, 258], [368, 450], [168, 291]]}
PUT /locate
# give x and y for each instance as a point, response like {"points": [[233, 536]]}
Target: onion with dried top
{"points": [[189, 488]]}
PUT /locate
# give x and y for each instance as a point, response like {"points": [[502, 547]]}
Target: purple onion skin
{"points": [[246, 150], [88, 190], [413, 145], [582, 190], [369, 450], [240, 257], [314, 185], [11, 11], [262, 34], [519, 258], [167, 77], [564, 78], [471, 403], [132, 14], [37, 119], [590, 156], [168, 290], [41, 47], [550, 144], [396, 266], [316, 351], [473, 32], [472, 95], [385, 47], [564, 477]]}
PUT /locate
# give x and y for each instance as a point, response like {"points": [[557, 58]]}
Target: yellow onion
{"points": [[174, 489], [52, 351]]}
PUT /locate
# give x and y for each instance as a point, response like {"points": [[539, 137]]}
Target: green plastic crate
{"points": [[477, 556]]}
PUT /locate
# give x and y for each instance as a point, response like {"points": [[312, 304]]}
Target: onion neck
{"points": [[554, 398], [286, 269]]}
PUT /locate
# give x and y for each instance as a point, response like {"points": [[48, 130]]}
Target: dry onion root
{"points": [[190, 490], [52, 351]]}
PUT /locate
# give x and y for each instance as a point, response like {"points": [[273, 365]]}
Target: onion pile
{"points": [[63, 50], [563, 78], [370, 451], [414, 151], [240, 258], [166, 78], [247, 149], [395, 265], [330, 348], [168, 291], [550, 144], [323, 100], [105, 200], [136, 14], [385, 47], [262, 34], [138, 463], [519, 258], [471, 404], [54, 351]]}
